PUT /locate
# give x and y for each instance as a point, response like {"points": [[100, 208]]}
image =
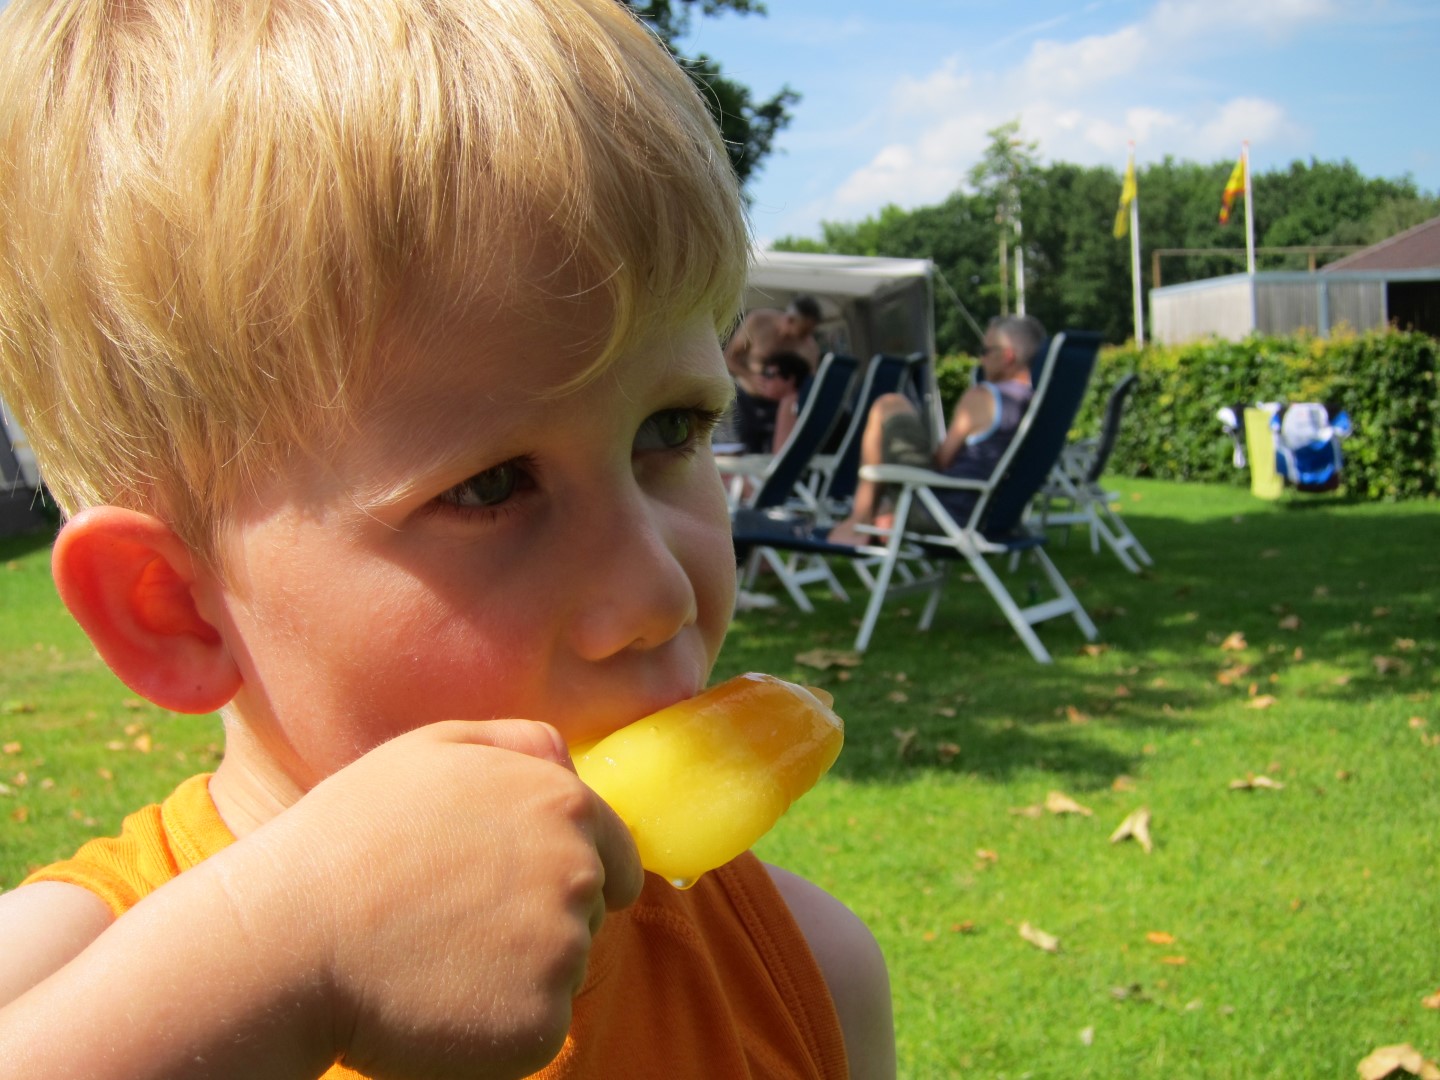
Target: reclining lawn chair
{"points": [[995, 526], [1073, 494], [820, 414], [839, 472], [777, 485]]}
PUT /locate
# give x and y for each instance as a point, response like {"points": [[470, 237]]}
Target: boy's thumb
{"points": [[533, 738]]}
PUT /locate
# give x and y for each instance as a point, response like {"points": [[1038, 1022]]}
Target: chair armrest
{"points": [[917, 477], [743, 464]]}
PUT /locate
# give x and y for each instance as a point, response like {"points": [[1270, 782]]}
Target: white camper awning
{"points": [[838, 275], [868, 305]]}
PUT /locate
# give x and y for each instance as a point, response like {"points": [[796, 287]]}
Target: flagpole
{"points": [[1135, 287], [1249, 212]]}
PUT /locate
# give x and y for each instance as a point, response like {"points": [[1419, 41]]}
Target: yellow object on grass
{"points": [[699, 782], [1265, 482]]}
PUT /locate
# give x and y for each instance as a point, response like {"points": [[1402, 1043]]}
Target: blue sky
{"points": [[898, 94]]}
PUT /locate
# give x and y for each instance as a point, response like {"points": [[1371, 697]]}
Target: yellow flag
{"points": [[1127, 196], [1233, 187]]}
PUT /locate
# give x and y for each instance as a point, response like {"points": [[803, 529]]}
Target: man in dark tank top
{"points": [[981, 428]]}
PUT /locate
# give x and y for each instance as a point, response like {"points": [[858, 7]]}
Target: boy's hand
{"points": [[453, 879]]}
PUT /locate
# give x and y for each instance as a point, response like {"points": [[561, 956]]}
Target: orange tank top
{"points": [[716, 981]]}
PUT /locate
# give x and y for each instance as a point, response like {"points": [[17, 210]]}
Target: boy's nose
{"points": [[634, 589]]}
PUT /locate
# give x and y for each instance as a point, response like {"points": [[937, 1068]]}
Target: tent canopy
{"points": [[868, 305]]}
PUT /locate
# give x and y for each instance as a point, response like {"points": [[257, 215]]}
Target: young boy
{"points": [[371, 349]]}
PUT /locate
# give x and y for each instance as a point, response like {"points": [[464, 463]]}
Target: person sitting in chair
{"points": [[983, 424]]}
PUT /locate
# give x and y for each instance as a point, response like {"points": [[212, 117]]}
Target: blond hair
{"points": [[208, 211]]}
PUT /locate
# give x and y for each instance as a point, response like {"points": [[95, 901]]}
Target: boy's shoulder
{"points": [[155, 844], [854, 970]]}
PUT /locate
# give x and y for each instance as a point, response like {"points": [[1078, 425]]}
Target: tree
{"points": [[1078, 273], [1001, 175], [748, 126]]}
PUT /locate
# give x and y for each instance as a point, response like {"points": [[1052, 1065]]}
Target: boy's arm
{"points": [[42, 928], [427, 910], [854, 969], [176, 987]]}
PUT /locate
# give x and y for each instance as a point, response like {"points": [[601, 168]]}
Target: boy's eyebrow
{"points": [[699, 390]]}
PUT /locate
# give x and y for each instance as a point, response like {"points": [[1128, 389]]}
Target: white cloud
{"points": [[1083, 100], [1071, 67], [1184, 20], [1237, 120], [941, 89]]}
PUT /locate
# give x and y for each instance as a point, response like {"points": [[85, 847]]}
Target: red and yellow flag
{"points": [[1127, 196], [1233, 187]]}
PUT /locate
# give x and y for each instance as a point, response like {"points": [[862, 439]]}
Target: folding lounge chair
{"points": [[745, 473], [886, 374], [778, 486], [996, 526], [1073, 494]]}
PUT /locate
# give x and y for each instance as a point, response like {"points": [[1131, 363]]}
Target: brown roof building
{"points": [[1416, 248]]}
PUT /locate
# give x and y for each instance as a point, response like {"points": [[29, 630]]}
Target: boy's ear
{"points": [[130, 583]]}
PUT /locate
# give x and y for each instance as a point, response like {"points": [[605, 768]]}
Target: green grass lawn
{"points": [[1271, 932]]}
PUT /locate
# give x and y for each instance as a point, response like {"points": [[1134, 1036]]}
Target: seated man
{"points": [[981, 428], [764, 419]]}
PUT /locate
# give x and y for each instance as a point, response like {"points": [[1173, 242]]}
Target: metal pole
{"points": [[1249, 212], [1135, 284]]}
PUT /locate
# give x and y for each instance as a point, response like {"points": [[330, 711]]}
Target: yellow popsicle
{"points": [[699, 782]]}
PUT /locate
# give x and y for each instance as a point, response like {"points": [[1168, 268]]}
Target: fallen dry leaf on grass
{"points": [[1261, 701], [1028, 811], [1389, 665], [1135, 827], [904, 740], [1234, 642], [1123, 783], [1039, 938], [1160, 937], [1075, 716], [1174, 961], [1290, 622], [1057, 802], [1252, 782], [947, 751], [1233, 674], [1389, 1060], [824, 659], [1133, 992], [1431, 1002]]}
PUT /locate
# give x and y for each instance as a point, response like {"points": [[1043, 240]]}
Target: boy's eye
{"points": [[674, 429], [489, 488]]}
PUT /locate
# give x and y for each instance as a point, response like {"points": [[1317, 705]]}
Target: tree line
{"points": [[1076, 272]]}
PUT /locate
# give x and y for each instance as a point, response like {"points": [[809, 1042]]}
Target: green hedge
{"points": [[1386, 381]]}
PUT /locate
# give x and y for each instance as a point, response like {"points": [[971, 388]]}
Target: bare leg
{"points": [[864, 507]]}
